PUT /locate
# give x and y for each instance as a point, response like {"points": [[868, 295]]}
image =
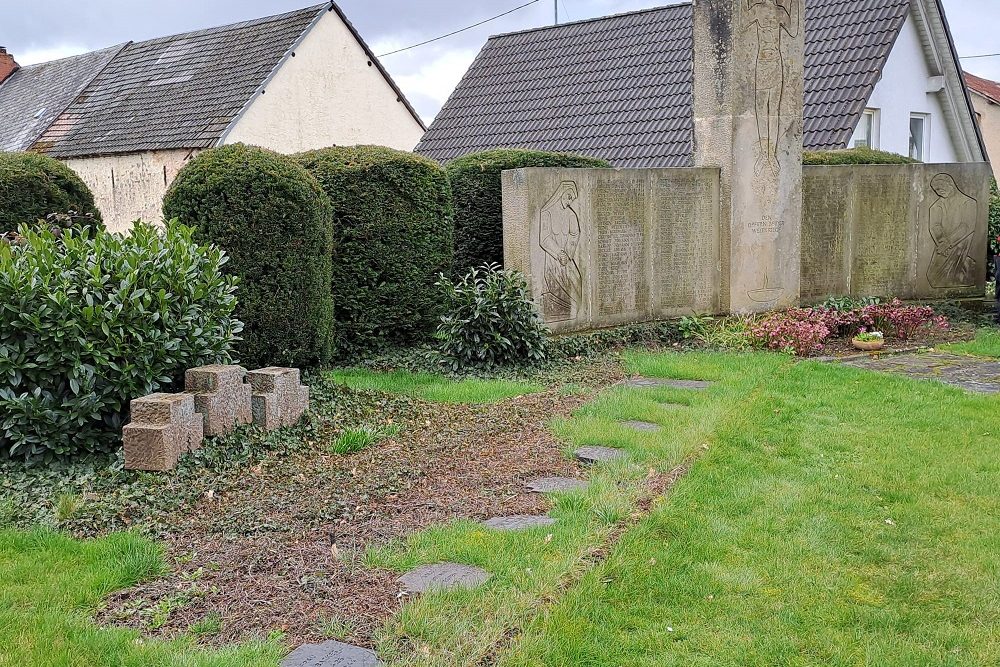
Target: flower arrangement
{"points": [[870, 337]]}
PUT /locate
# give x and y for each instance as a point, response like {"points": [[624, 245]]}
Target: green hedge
{"points": [[476, 192], [994, 225], [273, 220], [392, 237], [33, 186], [90, 321], [854, 156]]}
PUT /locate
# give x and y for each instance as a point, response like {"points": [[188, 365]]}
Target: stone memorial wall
{"points": [[912, 231], [603, 247]]}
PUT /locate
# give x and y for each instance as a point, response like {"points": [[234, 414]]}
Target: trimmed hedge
{"points": [[33, 186], [477, 197], [92, 320], [273, 220], [392, 237], [854, 156]]}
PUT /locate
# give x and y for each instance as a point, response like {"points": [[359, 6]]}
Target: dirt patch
{"points": [[958, 332], [280, 548]]}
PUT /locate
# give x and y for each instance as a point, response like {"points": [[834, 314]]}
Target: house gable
{"points": [[328, 89]]}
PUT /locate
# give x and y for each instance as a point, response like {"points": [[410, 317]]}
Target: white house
{"points": [[128, 118], [882, 73]]}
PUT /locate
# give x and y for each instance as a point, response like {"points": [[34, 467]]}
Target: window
{"points": [[866, 136], [919, 124]]}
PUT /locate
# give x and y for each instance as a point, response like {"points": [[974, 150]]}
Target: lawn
{"points": [[434, 388], [49, 582], [986, 344]]}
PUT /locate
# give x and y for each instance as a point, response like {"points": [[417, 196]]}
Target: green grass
{"points": [[435, 388], [357, 439], [839, 518], [986, 344], [49, 586]]}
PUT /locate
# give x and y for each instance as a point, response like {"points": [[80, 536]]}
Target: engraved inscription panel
{"points": [[619, 209], [881, 210], [826, 219], [686, 246]]}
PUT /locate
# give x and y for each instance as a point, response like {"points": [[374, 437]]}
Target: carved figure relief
{"points": [[559, 239], [772, 22], [952, 226]]}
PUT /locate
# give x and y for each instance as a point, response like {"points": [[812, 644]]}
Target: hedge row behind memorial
{"points": [[33, 186], [273, 220], [477, 196], [392, 237]]}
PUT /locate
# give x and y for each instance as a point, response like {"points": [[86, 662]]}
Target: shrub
{"points": [[786, 332], [90, 321], [994, 219], [392, 236], [476, 188], [491, 320], [273, 220], [33, 186], [854, 156]]}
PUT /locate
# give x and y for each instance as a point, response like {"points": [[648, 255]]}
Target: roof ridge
{"points": [[118, 46], [593, 19], [238, 25]]}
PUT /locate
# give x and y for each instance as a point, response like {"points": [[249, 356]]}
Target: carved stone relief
{"points": [[952, 225], [559, 238]]}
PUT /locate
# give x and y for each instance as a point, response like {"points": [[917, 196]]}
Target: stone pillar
{"points": [[163, 427], [748, 80]]}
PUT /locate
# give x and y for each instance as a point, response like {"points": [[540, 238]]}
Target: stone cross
{"points": [[748, 97], [221, 396], [162, 427], [279, 397]]}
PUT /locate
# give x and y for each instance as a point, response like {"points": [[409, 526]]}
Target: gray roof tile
{"points": [[620, 87], [34, 96]]}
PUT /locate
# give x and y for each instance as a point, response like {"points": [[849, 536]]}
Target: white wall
{"points": [[902, 91], [130, 187], [328, 94]]}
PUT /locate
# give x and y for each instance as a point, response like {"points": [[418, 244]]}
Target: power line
{"points": [[450, 34], [985, 55]]}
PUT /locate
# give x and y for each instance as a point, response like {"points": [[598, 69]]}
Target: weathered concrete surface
{"points": [[221, 396], [162, 427], [748, 95], [603, 247], [975, 375], [443, 577], [912, 231], [279, 398], [331, 654]]}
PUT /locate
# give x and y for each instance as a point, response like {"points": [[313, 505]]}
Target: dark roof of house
{"points": [[620, 87], [985, 87], [37, 94], [181, 91]]}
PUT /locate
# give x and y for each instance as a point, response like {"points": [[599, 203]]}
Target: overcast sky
{"points": [[40, 30]]}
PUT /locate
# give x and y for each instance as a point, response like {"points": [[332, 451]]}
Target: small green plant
{"points": [[358, 439], [8, 513], [848, 303], [694, 326], [730, 333], [870, 337], [67, 505], [335, 628], [490, 322], [208, 626], [567, 390]]}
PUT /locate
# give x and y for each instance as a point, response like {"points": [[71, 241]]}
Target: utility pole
{"points": [[555, 4]]}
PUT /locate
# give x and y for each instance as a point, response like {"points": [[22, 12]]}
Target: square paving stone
{"points": [[443, 577], [331, 654], [556, 484], [519, 522], [655, 383], [644, 427], [599, 454]]}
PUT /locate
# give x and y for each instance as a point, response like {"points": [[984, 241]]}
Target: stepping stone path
{"points": [[520, 522], [593, 455], [975, 375], [644, 427], [556, 484], [331, 654], [656, 383], [443, 577]]}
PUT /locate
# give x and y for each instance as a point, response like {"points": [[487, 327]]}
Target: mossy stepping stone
{"points": [[658, 383], [443, 577], [331, 654], [519, 522], [593, 455], [556, 484], [642, 427]]}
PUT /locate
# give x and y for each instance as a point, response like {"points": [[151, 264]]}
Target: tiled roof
{"points": [[34, 96], [175, 92], [620, 87], [988, 89]]}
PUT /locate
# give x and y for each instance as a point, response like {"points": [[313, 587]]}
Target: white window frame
{"points": [[925, 141], [871, 118]]}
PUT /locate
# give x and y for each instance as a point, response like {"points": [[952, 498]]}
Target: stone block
{"points": [[279, 399], [163, 427], [221, 396]]}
